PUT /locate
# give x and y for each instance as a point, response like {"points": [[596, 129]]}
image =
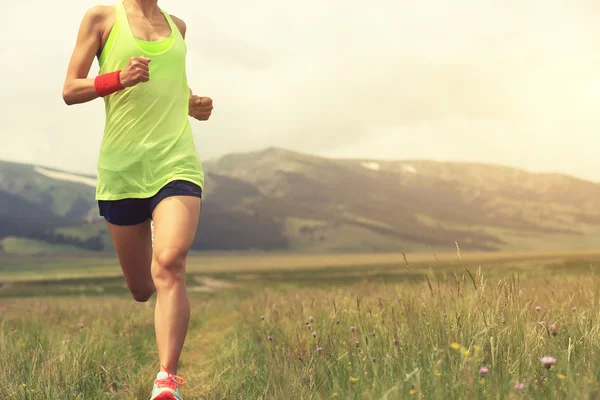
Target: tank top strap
{"points": [[174, 29], [112, 36], [123, 21]]}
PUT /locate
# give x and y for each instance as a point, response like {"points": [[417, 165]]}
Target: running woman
{"points": [[148, 167]]}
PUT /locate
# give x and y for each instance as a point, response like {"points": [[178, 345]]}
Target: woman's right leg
{"points": [[133, 244]]}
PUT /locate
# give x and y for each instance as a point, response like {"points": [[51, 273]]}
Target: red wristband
{"points": [[109, 83]]}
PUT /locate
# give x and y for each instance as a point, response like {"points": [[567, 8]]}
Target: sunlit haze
{"points": [[509, 82]]}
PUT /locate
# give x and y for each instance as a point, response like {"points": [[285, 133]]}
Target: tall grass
{"points": [[462, 338], [422, 335], [75, 349]]}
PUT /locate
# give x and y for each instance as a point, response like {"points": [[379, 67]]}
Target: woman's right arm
{"points": [[78, 88]]}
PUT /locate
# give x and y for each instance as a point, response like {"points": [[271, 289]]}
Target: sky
{"points": [[513, 82]]}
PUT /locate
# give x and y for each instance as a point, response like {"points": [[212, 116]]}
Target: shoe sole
{"points": [[165, 396]]}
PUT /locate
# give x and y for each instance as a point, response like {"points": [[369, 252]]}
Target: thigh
{"points": [[133, 244], [175, 224]]}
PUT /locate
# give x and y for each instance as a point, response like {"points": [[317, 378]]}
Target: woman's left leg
{"points": [[175, 223]]}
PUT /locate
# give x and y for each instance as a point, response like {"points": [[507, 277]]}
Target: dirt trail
{"points": [[203, 344]]}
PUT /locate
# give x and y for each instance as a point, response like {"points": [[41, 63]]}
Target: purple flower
{"points": [[310, 319], [270, 337], [357, 343], [538, 308], [319, 349], [519, 386], [262, 317], [548, 362], [573, 308], [353, 328], [396, 341], [309, 326], [373, 358], [553, 329], [80, 326], [314, 334], [483, 371], [424, 314]]}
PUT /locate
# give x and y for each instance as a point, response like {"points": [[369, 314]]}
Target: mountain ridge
{"points": [[278, 199]]}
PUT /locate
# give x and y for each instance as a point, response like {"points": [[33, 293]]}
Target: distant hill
{"points": [[277, 199]]}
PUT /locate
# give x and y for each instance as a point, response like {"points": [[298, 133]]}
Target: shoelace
{"points": [[171, 382]]}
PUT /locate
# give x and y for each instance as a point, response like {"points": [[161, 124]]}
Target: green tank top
{"points": [[147, 140]]}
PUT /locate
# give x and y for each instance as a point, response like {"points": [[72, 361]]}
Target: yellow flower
{"points": [[23, 385], [334, 394], [561, 376], [352, 379], [466, 352], [32, 390], [455, 346], [413, 391], [439, 374]]}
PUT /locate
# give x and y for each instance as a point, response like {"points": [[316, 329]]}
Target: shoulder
{"points": [[180, 24], [98, 18], [99, 14]]}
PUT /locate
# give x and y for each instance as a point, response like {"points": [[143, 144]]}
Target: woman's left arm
{"points": [[199, 108]]}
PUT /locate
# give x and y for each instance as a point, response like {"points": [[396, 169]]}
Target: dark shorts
{"points": [[136, 211]]}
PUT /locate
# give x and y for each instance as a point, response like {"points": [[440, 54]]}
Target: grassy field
{"points": [[362, 326]]}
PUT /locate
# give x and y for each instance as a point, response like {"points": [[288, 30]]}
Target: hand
{"points": [[136, 71], [200, 108]]}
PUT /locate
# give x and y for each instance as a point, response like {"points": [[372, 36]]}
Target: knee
{"points": [[142, 295], [169, 265]]}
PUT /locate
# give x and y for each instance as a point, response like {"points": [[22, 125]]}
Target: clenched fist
{"points": [[136, 71], [200, 107]]}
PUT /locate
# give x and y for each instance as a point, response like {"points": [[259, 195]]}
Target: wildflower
{"points": [[424, 314], [373, 358], [561, 376], [353, 328], [314, 334], [373, 334], [319, 349], [396, 341], [573, 308], [538, 308], [334, 394], [308, 326], [548, 362], [310, 319], [337, 322], [80, 326], [357, 343], [455, 346], [553, 330], [353, 379], [519, 386], [262, 317], [413, 391], [466, 352], [483, 371], [270, 337]]}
